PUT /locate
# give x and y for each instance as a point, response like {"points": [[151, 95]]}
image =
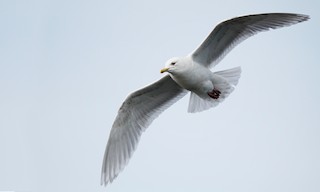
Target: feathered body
{"points": [[187, 74]]}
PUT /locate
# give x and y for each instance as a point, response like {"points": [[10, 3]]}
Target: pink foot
{"points": [[215, 94]]}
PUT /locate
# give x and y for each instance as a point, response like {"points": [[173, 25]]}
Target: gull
{"points": [[185, 74]]}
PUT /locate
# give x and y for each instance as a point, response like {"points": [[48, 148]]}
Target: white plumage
{"points": [[191, 73]]}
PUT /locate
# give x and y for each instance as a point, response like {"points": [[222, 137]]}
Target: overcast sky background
{"points": [[66, 67]]}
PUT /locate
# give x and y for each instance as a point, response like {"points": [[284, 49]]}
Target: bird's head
{"points": [[171, 65]]}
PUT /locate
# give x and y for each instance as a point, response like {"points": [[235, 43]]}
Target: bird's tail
{"points": [[224, 81]]}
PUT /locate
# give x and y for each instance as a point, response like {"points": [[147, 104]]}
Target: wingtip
{"points": [[306, 17], [303, 17]]}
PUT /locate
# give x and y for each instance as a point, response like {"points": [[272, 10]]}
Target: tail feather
{"points": [[231, 75], [225, 81], [197, 104]]}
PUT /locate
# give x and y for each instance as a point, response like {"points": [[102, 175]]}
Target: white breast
{"points": [[194, 77]]}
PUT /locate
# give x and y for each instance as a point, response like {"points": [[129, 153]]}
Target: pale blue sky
{"points": [[66, 67]]}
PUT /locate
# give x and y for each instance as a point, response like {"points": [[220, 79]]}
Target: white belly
{"points": [[196, 79]]}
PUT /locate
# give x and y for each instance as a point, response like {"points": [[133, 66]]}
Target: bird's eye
{"points": [[173, 63]]}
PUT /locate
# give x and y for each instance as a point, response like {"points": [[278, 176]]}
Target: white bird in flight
{"points": [[186, 74]]}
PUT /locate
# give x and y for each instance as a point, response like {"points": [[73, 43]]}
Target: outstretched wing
{"points": [[134, 116], [228, 34]]}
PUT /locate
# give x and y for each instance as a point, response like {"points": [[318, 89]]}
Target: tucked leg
{"points": [[215, 94]]}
